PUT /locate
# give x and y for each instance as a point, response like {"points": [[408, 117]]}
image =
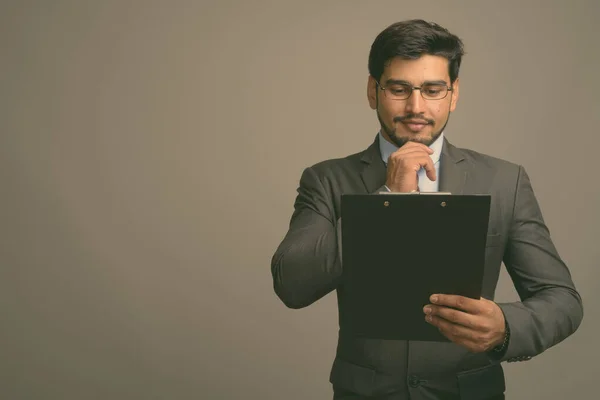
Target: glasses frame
{"points": [[412, 89]]}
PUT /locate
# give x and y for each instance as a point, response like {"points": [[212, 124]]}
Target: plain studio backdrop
{"points": [[150, 155]]}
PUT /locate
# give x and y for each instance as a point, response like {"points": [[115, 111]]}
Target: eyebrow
{"points": [[403, 82]]}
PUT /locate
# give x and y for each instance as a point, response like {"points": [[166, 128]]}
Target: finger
{"points": [[457, 317], [472, 340], [451, 330], [430, 169], [410, 144], [471, 306], [417, 161], [412, 151]]}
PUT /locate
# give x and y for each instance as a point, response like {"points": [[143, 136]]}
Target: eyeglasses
{"points": [[402, 91]]}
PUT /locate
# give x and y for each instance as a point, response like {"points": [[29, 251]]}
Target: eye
{"points": [[399, 90], [433, 90]]}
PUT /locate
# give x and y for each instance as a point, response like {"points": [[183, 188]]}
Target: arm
{"points": [[550, 309], [307, 264]]}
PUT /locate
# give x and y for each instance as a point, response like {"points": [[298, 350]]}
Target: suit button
{"points": [[413, 381]]}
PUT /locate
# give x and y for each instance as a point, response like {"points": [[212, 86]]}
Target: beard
{"points": [[402, 140]]}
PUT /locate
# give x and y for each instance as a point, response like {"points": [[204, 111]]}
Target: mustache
{"points": [[414, 117]]}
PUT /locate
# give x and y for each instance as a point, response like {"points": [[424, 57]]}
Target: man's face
{"points": [[414, 119]]}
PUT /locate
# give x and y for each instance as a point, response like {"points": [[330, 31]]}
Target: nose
{"points": [[415, 104]]}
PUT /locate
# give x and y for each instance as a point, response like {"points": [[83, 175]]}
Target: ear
{"points": [[372, 92], [455, 94]]}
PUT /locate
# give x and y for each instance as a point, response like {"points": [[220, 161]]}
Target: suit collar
{"points": [[454, 169], [374, 172]]}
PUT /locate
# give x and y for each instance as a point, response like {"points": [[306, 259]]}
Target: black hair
{"points": [[410, 40]]}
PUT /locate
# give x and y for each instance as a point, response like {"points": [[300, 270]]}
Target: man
{"points": [[413, 86]]}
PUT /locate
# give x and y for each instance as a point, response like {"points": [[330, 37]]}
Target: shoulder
{"points": [[346, 166], [487, 160], [332, 164], [336, 167], [491, 165], [335, 175]]}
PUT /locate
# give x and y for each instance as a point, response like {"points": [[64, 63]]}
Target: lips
{"points": [[415, 122], [415, 125]]}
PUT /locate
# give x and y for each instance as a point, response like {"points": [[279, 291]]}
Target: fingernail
{"points": [[428, 318], [427, 310], [434, 299]]}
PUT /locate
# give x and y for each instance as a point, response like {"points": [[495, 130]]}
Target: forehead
{"points": [[424, 68]]}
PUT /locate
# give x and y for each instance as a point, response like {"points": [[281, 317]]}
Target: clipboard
{"points": [[398, 250]]}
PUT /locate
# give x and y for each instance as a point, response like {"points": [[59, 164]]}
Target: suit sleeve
{"points": [[550, 309], [307, 264]]}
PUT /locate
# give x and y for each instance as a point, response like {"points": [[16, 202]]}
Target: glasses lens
{"points": [[399, 91], [434, 92]]}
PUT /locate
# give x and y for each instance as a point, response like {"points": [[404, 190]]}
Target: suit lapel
{"points": [[453, 170], [374, 170]]}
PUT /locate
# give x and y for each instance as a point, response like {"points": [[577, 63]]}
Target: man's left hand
{"points": [[477, 325]]}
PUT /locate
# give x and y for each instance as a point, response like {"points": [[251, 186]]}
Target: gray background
{"points": [[149, 157]]}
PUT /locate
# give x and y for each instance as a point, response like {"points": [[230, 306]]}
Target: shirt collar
{"points": [[386, 148]]}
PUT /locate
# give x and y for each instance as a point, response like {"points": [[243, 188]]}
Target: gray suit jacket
{"points": [[307, 265]]}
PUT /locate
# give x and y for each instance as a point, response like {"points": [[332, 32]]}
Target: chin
{"points": [[425, 138], [420, 138]]}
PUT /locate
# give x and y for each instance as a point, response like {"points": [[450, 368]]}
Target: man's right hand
{"points": [[404, 165]]}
